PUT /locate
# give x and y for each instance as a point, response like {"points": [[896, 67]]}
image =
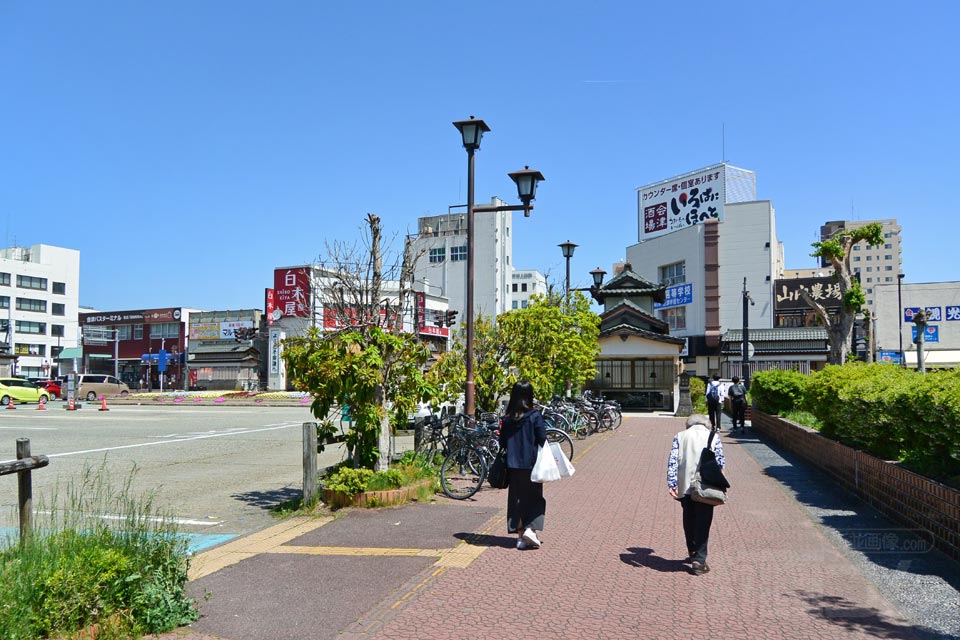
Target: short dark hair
{"points": [[716, 376], [736, 379], [521, 399]]}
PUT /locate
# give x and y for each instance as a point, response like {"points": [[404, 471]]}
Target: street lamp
{"points": [[903, 363], [472, 131], [746, 335], [567, 248]]}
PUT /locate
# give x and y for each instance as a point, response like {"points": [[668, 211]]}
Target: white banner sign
{"points": [[681, 202]]}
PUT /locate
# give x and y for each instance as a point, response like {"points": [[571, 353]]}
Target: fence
{"points": [[735, 367], [23, 466], [901, 495]]}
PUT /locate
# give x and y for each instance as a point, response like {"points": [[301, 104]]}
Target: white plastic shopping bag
{"points": [[563, 463], [545, 470]]}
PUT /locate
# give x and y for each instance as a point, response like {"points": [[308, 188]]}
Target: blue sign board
{"points": [[953, 313], [676, 296], [889, 356], [909, 312], [931, 333], [161, 361]]}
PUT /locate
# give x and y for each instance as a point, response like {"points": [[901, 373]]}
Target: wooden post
{"points": [[25, 490], [309, 463]]}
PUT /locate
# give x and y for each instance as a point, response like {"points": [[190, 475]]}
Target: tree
{"points": [[836, 251], [361, 359]]}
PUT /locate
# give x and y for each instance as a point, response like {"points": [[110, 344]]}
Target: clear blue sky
{"points": [[188, 148]]}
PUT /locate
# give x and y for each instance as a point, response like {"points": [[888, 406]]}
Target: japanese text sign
{"points": [[676, 296], [681, 202], [930, 333], [823, 290], [292, 292]]}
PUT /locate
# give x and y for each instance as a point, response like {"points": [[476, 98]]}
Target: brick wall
{"points": [[901, 495]]}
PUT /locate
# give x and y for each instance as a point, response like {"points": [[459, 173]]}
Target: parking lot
{"points": [[217, 470]]}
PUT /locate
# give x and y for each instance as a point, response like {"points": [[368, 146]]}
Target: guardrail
{"points": [[23, 467]]}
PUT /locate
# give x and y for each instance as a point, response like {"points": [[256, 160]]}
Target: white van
{"points": [[94, 385]]}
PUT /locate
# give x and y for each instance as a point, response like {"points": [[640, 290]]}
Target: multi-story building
{"points": [[706, 237], [876, 265], [894, 329], [225, 350], [526, 283], [39, 293]]}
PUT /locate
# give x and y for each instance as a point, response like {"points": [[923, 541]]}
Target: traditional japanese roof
{"points": [[223, 353], [625, 329], [629, 284], [778, 340], [627, 312]]}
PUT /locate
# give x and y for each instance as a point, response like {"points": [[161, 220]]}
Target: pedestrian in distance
{"points": [[681, 470], [738, 403], [522, 432], [714, 394]]}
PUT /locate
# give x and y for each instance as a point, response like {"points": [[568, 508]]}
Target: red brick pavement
{"points": [[610, 566]]}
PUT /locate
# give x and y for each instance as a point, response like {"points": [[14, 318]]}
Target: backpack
{"points": [[713, 393], [738, 392]]}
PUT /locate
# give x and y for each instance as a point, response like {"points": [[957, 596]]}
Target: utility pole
{"points": [[747, 300]]}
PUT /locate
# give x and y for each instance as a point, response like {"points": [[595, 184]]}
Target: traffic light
{"points": [[438, 318], [451, 317], [242, 334]]}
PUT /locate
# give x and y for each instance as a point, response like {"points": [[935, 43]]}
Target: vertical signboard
{"points": [[269, 304], [678, 203], [291, 292]]}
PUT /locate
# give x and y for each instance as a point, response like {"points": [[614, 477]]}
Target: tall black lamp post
{"points": [[567, 248], [903, 362], [747, 300], [472, 131]]}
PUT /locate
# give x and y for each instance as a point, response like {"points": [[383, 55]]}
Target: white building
{"points": [[704, 234], [526, 283], [44, 282], [876, 265], [441, 243], [894, 327]]}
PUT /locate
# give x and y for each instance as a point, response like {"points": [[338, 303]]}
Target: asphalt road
{"points": [[217, 470]]}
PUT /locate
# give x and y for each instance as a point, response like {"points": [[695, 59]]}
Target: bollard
{"points": [[25, 491], [309, 463]]}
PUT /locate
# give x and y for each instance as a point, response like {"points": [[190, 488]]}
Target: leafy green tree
{"points": [[836, 251]]}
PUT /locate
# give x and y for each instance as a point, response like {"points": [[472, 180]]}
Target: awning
{"points": [[71, 353]]}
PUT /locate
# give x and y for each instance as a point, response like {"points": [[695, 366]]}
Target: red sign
{"points": [[292, 292], [424, 328], [269, 304]]}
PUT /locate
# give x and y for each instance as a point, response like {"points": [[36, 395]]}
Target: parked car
{"points": [[20, 390], [52, 386], [94, 385]]}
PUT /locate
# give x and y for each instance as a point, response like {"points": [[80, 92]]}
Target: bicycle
{"points": [[465, 465]]}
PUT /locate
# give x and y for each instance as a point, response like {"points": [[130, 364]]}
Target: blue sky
{"points": [[188, 148]]}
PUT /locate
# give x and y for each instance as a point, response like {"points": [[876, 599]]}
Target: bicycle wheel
{"points": [[617, 417], [561, 438], [463, 472]]}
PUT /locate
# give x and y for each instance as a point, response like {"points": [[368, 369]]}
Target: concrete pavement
{"points": [[610, 567]]}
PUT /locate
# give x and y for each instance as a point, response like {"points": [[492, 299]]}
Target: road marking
{"points": [[32, 428], [107, 516], [184, 439]]}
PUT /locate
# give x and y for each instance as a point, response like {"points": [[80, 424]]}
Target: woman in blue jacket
{"points": [[522, 432]]}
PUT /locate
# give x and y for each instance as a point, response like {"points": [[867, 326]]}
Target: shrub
{"points": [[775, 391], [353, 481], [697, 390]]}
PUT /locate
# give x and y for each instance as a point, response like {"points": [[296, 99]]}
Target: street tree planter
{"points": [[371, 499]]}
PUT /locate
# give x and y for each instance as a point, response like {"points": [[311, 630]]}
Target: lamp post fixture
{"points": [[567, 248], [920, 318], [903, 362], [471, 131], [746, 335]]}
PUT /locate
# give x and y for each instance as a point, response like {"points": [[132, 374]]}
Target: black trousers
{"points": [[714, 411], [526, 505], [697, 518], [739, 414]]}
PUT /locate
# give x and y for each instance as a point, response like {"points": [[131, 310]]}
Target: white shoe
{"points": [[521, 544], [530, 537]]}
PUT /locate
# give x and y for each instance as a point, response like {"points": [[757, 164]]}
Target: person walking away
{"points": [[714, 394], [738, 403], [681, 469], [522, 432]]}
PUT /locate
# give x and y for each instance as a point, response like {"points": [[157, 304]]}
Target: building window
{"points": [[29, 304], [869, 279], [124, 331], [59, 309], [515, 305], [869, 258], [856, 258], [856, 269], [27, 326], [888, 279], [165, 330], [888, 256], [523, 286], [514, 287], [869, 269], [30, 349], [856, 247], [523, 304], [438, 255], [4, 302], [888, 246], [5, 279], [60, 288], [56, 330], [676, 317], [458, 254], [30, 282], [672, 274], [888, 235], [138, 332]]}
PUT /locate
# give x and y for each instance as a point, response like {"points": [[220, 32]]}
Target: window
{"points": [[438, 255], [869, 269], [56, 330], [676, 317], [124, 331], [4, 302], [59, 309], [672, 274], [869, 258], [888, 256], [165, 330], [60, 288], [458, 254], [856, 269], [889, 267], [5, 279], [514, 287], [29, 282], [888, 246], [138, 332], [55, 351], [26, 326], [856, 258], [30, 349], [523, 304], [29, 304], [523, 286], [888, 279], [515, 302], [869, 279], [869, 290], [888, 235], [856, 247]]}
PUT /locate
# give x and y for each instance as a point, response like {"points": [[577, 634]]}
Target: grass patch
{"points": [[805, 418], [77, 569], [411, 469]]}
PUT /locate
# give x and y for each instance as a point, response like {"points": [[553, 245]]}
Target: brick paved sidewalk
{"points": [[610, 566]]}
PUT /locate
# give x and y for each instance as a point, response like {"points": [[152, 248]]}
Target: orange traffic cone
{"points": [[43, 405], [10, 406], [71, 406], [103, 403]]}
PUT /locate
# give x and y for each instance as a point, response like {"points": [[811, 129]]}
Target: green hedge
{"points": [[891, 412], [697, 390]]}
